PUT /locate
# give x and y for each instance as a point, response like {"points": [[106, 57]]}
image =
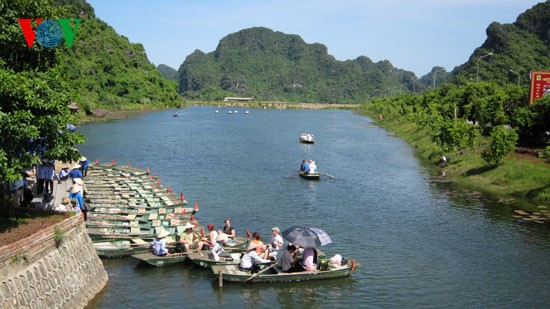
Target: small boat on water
{"points": [[271, 274], [308, 176], [155, 260], [176, 114], [306, 138], [204, 260], [120, 248], [247, 112], [217, 111], [230, 112]]}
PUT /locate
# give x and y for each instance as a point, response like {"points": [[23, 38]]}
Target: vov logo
{"points": [[49, 33]]}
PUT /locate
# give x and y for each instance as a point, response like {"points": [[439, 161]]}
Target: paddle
{"points": [[293, 175], [254, 275], [328, 175]]}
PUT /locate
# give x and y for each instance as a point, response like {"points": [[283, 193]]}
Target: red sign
{"points": [[540, 85]]}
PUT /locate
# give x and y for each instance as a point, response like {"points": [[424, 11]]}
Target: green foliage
{"points": [[503, 141], [57, 236], [273, 66], [106, 70], [545, 153], [168, 72], [520, 47]]}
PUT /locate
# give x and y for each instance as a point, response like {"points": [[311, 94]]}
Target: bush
{"points": [[503, 141]]}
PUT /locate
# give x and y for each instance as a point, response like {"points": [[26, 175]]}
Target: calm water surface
{"points": [[420, 244]]}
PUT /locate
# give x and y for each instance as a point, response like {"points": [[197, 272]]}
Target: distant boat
{"points": [[217, 111], [229, 112], [306, 138], [176, 114], [247, 112], [235, 112]]}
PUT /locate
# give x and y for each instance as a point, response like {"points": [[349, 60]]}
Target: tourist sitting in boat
{"points": [[257, 242], [212, 235], [312, 168], [276, 243], [309, 257], [190, 240], [288, 263], [303, 166], [159, 244], [251, 259], [229, 230]]}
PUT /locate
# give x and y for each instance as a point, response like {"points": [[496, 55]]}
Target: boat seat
{"points": [[139, 241]]}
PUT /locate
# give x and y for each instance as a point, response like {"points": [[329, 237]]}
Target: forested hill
{"points": [[108, 70], [168, 72], [274, 66], [522, 46]]}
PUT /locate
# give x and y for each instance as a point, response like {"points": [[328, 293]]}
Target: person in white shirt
{"points": [[251, 259]]}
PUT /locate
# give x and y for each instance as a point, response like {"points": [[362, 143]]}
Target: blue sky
{"points": [[414, 35]]}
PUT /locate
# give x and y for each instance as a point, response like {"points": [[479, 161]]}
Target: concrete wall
{"points": [[35, 272]]}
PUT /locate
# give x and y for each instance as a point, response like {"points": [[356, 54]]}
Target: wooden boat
{"points": [[314, 176], [231, 273], [202, 259], [156, 260], [120, 248], [306, 138]]}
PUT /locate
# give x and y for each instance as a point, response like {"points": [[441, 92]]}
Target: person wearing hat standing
{"points": [[251, 259], [190, 240], [276, 243], [159, 244], [84, 162]]}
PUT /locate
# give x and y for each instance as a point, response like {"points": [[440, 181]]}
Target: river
{"points": [[420, 244]]}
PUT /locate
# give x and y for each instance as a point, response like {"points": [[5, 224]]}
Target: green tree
{"points": [[503, 141]]}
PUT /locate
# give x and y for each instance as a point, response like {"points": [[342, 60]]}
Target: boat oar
{"points": [[328, 175], [293, 175], [256, 274]]}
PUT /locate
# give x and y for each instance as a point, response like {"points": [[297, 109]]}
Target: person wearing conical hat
{"points": [[159, 244], [76, 193], [190, 240], [75, 172], [84, 162], [64, 206]]}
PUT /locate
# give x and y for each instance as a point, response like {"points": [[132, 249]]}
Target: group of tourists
{"points": [[289, 258], [308, 167]]}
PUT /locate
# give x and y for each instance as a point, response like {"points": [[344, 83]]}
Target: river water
{"points": [[420, 244]]}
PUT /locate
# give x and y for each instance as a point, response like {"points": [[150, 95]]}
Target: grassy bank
{"points": [[518, 176]]}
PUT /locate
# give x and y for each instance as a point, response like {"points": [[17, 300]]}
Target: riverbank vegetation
{"points": [[476, 127]]}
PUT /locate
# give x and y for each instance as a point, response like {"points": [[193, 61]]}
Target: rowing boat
{"points": [[119, 248], [232, 273], [156, 260]]}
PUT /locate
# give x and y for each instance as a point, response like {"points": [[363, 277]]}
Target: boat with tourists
{"points": [[272, 273], [306, 138]]}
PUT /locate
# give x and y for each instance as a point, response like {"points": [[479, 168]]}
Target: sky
{"points": [[414, 35]]}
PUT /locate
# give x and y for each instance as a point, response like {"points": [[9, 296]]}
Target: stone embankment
{"points": [[56, 267]]}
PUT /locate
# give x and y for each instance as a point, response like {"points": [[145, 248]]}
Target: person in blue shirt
{"points": [[159, 244], [303, 166], [75, 172], [84, 166]]}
